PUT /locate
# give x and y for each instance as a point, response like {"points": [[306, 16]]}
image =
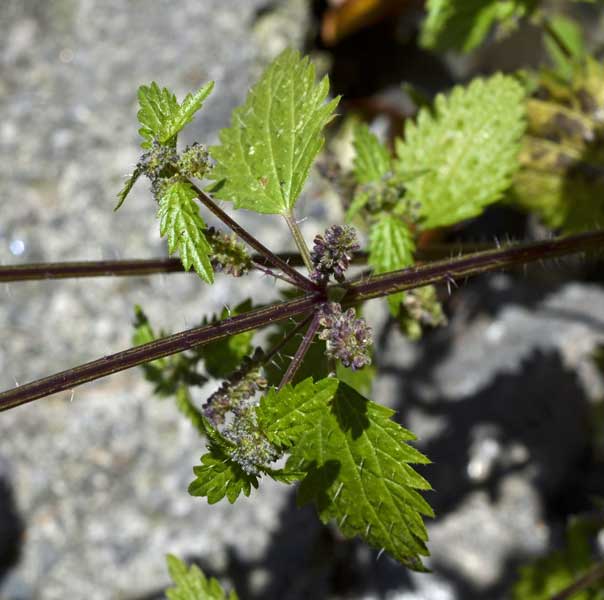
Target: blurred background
{"points": [[506, 400]]}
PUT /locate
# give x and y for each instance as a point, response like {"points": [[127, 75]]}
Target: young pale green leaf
{"points": [[463, 24], [468, 147], [180, 221], [391, 247], [192, 584], [372, 160], [157, 106], [162, 117], [357, 462], [220, 476], [265, 156], [186, 111]]}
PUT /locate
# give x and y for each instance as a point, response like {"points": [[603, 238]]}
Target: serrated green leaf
{"points": [[220, 476], [127, 187], [180, 221], [157, 105], [372, 160], [186, 111], [469, 147], [162, 117], [265, 156], [463, 24], [284, 415], [357, 462], [391, 247], [192, 584]]}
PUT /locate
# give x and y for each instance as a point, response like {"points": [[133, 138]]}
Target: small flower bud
{"points": [[332, 253], [347, 338], [194, 161], [228, 254], [252, 447], [237, 392]]}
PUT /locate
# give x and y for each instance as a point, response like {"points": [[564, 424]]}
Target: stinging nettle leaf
{"points": [[463, 24], [162, 117], [180, 221], [468, 146], [357, 462], [192, 584], [219, 476], [372, 160], [391, 247], [265, 155], [284, 415]]}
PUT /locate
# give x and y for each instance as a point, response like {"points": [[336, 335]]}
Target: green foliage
{"points": [[173, 373], [357, 462], [168, 374], [550, 575], [379, 188], [192, 584], [351, 459], [265, 156], [391, 247], [562, 153], [372, 160], [180, 221], [127, 187], [219, 476], [463, 24], [468, 146], [361, 380], [285, 415], [223, 356], [185, 405], [162, 117], [570, 34]]}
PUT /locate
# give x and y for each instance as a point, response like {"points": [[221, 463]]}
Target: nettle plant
{"points": [[295, 409]]}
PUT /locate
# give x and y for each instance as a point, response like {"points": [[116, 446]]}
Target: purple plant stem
{"points": [[301, 281], [443, 271], [471, 265], [153, 266], [166, 346], [307, 340]]}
